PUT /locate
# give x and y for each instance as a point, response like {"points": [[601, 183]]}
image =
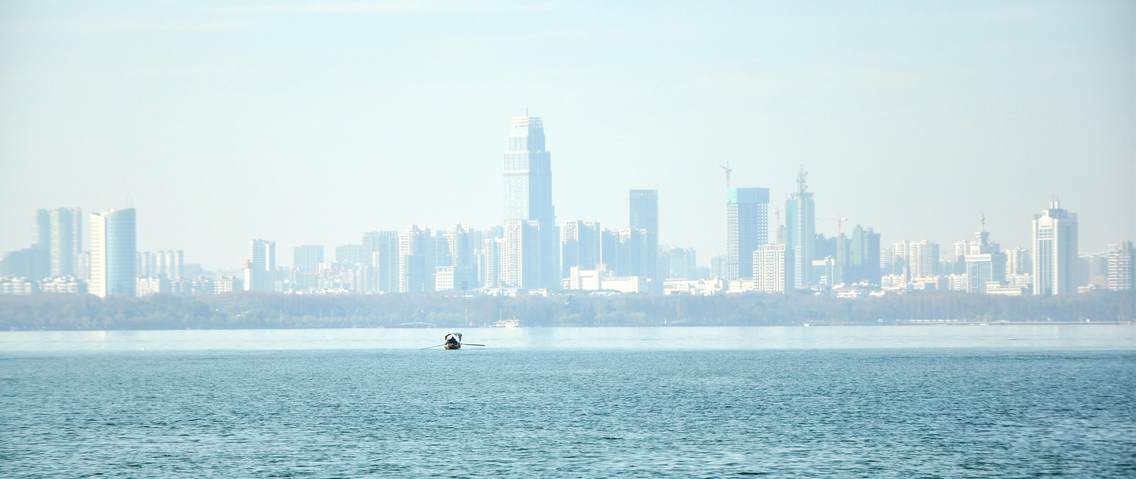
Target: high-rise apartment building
{"points": [[922, 258], [800, 231], [413, 274], [960, 249], [380, 251], [633, 253], [171, 264], [770, 268], [306, 259], [492, 262], [522, 255], [1054, 251], [1120, 266], [350, 254], [747, 228], [1018, 261], [113, 236], [260, 267], [643, 214], [899, 258], [461, 259], [863, 256], [682, 263], [610, 250], [59, 234], [528, 198], [579, 246]]}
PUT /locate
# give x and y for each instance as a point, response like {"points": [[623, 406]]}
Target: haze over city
{"points": [[312, 123], [495, 238]]}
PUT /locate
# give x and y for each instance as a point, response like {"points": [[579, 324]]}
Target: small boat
{"points": [[453, 341]]}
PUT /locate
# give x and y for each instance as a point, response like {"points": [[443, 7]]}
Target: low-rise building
{"points": [[62, 285], [599, 279], [16, 286], [152, 285], [999, 289], [695, 287]]}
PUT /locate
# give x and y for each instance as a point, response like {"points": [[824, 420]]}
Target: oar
{"points": [[472, 344], [432, 347]]}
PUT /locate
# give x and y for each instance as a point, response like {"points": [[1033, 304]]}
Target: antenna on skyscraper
{"points": [[801, 184]]}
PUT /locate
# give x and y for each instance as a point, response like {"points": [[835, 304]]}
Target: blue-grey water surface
{"points": [[573, 412]]}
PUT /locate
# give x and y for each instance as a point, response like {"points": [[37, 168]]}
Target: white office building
{"points": [[113, 239], [1054, 251]]}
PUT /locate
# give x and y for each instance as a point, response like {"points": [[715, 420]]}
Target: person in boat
{"points": [[451, 339]]}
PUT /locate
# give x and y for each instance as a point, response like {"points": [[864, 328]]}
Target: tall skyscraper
{"points": [[800, 231], [1054, 251], [528, 198], [260, 267], [643, 213], [747, 228], [114, 251]]}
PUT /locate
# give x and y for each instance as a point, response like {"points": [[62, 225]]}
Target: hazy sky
{"points": [[313, 122]]}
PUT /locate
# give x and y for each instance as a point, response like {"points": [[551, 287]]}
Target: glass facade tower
{"points": [[113, 253], [528, 199], [643, 213], [800, 232], [747, 229]]}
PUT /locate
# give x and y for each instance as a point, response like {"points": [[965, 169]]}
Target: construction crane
{"points": [[726, 167], [840, 221]]}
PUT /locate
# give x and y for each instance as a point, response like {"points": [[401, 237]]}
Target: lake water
{"points": [[914, 401]]}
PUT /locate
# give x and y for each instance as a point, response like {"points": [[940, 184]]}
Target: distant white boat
{"points": [[507, 323]]}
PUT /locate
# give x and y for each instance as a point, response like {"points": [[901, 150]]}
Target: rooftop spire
{"points": [[802, 184]]}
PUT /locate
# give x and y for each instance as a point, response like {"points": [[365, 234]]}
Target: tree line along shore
{"points": [[252, 311]]}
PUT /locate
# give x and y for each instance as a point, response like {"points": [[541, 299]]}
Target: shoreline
{"points": [[910, 323]]}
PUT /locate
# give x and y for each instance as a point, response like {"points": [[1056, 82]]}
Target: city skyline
{"points": [[46, 226], [539, 238], [1033, 103]]}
